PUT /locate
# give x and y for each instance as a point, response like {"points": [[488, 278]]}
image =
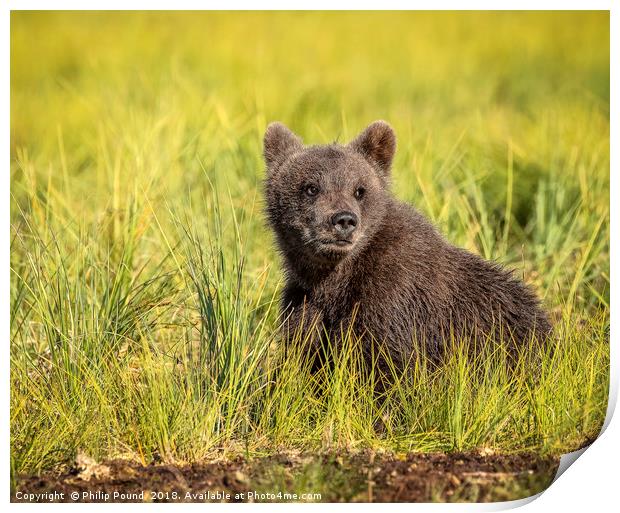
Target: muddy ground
{"points": [[362, 477]]}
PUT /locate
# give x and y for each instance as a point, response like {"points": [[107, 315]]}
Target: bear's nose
{"points": [[344, 222]]}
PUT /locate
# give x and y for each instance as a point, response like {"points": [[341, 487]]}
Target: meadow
{"points": [[144, 281]]}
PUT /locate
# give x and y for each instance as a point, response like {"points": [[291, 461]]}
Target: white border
{"points": [[310, 5], [589, 485]]}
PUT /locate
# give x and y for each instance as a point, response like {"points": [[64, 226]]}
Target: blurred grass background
{"points": [[144, 280]]}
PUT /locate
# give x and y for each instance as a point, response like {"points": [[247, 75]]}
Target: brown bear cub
{"points": [[357, 258]]}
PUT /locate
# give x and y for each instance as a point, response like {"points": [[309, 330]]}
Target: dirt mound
{"points": [[362, 477]]}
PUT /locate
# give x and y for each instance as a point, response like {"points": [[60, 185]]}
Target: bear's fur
{"points": [[357, 257]]}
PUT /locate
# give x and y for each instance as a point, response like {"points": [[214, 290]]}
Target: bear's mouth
{"points": [[340, 243], [328, 248], [332, 250]]}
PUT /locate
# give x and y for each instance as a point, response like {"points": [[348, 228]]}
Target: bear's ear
{"points": [[279, 142], [377, 144]]}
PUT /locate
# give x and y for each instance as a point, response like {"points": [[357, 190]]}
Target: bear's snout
{"points": [[344, 223]]}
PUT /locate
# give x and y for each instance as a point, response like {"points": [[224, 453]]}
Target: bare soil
{"points": [[361, 477]]}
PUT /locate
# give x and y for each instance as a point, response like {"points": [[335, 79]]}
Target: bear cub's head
{"points": [[326, 202]]}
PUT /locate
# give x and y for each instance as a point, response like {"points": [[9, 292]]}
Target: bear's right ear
{"points": [[279, 142]]}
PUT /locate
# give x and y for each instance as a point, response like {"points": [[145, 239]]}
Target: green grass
{"points": [[144, 282]]}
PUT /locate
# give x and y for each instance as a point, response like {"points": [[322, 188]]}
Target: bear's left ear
{"points": [[377, 144]]}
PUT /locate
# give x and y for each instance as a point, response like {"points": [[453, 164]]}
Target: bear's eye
{"points": [[359, 193], [311, 190]]}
